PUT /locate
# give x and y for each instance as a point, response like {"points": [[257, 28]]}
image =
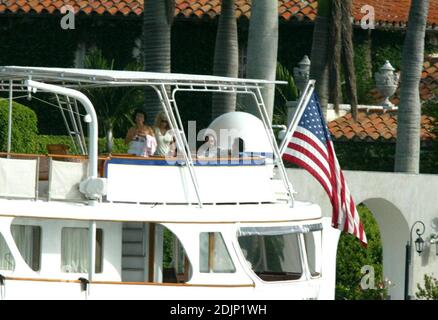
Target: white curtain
{"points": [[24, 239], [74, 250], [7, 261]]}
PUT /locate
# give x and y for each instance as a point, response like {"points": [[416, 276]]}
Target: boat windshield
{"points": [[276, 253]]}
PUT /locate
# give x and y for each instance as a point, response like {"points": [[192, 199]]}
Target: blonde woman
{"points": [[164, 136]]}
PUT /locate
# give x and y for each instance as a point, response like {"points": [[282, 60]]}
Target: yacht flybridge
{"points": [[96, 226]]}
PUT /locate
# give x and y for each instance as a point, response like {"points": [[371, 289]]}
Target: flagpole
{"points": [[302, 103]]}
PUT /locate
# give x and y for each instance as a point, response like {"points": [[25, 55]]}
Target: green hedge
{"points": [[351, 257], [24, 127]]}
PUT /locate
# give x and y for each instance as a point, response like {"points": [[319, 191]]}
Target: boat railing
{"points": [[246, 179], [66, 84]]}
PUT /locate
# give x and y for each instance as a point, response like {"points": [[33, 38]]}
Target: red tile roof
{"points": [[388, 12], [374, 126]]}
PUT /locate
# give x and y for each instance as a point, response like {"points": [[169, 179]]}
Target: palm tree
{"points": [[319, 67], [114, 106], [409, 114], [157, 21], [333, 29], [347, 55], [262, 50], [226, 57]]}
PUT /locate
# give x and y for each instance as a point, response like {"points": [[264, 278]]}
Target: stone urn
{"points": [[387, 83]]}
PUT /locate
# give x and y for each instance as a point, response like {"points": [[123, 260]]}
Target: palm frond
{"points": [[113, 105]]}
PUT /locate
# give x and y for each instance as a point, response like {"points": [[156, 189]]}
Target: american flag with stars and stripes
{"points": [[312, 149]]}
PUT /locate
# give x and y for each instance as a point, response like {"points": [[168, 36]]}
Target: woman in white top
{"points": [[163, 134], [141, 138]]}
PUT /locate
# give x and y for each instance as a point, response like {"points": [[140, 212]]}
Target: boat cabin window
{"points": [[74, 250], [213, 254], [273, 257], [7, 261], [28, 241], [313, 242], [176, 265]]}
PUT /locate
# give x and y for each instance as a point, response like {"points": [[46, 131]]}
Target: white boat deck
{"points": [[231, 213]]}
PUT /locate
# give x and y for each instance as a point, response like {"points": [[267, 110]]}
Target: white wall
{"points": [[397, 200]]}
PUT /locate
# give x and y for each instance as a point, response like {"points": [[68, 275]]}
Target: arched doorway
{"points": [[387, 232], [394, 232]]}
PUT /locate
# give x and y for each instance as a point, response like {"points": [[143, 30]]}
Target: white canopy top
{"points": [[108, 77]]}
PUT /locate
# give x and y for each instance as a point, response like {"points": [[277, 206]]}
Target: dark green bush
{"points": [[352, 257], [24, 128]]}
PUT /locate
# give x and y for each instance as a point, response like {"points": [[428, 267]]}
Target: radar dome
{"points": [[241, 125]]}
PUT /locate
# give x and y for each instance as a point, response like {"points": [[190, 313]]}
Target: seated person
{"points": [[141, 138], [237, 149], [209, 148]]}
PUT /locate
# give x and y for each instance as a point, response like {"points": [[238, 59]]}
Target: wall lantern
{"points": [[419, 244], [419, 247]]}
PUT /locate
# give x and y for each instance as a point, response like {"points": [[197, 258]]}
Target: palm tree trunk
{"points": [[319, 66], [157, 22], [334, 56], [226, 57], [348, 56], [409, 113], [262, 50]]}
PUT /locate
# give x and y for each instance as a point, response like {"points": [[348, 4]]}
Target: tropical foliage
{"points": [[430, 289], [283, 94], [114, 106], [351, 257], [24, 127]]}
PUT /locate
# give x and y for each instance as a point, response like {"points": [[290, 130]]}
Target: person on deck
{"points": [[164, 136], [141, 138]]}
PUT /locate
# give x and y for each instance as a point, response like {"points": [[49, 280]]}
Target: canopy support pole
{"points": [[10, 117]]}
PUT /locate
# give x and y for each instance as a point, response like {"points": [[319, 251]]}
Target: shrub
{"points": [[430, 290], [24, 128], [352, 257]]}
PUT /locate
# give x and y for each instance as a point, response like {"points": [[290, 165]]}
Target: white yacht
{"points": [[103, 227]]}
